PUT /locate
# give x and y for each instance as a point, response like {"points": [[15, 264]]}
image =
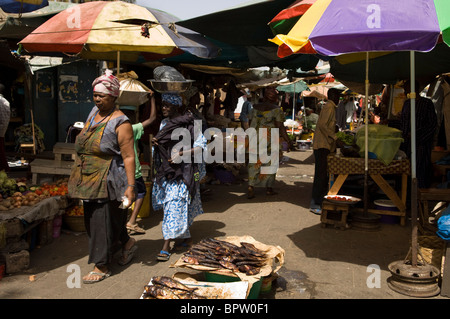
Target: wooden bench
{"points": [[51, 167], [61, 149], [57, 167]]}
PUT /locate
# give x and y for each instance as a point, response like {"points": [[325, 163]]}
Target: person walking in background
{"points": [[426, 122], [141, 191], [265, 115], [246, 110], [5, 116], [176, 189], [324, 142], [103, 177]]}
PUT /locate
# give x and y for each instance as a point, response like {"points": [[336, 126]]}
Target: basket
{"points": [[75, 223], [432, 249]]}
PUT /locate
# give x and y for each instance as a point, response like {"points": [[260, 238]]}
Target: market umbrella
{"points": [[293, 88], [110, 30], [334, 27], [283, 22]]}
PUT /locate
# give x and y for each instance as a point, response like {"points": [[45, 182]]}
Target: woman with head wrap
{"points": [[103, 176], [177, 189]]}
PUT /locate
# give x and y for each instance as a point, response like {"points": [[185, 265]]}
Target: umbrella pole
{"points": [[414, 243], [118, 63], [293, 111], [366, 137]]}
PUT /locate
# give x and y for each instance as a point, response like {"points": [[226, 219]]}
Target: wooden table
{"points": [[344, 166]]}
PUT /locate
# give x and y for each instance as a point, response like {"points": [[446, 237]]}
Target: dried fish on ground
{"points": [[167, 288], [221, 254]]}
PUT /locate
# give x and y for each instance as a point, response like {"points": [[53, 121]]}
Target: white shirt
{"points": [[5, 115]]}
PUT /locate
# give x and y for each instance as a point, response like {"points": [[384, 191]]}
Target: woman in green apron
{"points": [[103, 176]]}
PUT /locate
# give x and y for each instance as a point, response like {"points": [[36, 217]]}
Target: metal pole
{"points": [[366, 138], [414, 243]]}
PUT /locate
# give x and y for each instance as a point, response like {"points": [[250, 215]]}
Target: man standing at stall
{"points": [[324, 143], [5, 115], [426, 122]]}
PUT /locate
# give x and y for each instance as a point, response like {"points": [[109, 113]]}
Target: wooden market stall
{"points": [[345, 166]]}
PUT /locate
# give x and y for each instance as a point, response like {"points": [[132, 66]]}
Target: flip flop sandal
{"points": [[136, 229], [130, 254], [163, 255], [103, 275], [316, 211]]}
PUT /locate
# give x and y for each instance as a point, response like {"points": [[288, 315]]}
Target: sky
{"points": [[186, 9]]}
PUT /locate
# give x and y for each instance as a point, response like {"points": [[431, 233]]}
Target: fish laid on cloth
{"points": [[216, 253]]}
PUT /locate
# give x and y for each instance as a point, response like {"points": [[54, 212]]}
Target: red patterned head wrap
{"points": [[107, 84]]}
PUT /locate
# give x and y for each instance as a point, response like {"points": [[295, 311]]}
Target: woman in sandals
{"points": [[176, 189], [102, 175]]}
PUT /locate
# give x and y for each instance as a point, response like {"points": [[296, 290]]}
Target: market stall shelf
{"points": [[345, 166]]}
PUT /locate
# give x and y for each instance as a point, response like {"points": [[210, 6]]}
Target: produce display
{"points": [[14, 193], [221, 254], [75, 211], [342, 199], [162, 287], [347, 139]]}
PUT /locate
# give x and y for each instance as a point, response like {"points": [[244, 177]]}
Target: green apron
{"points": [[88, 176]]}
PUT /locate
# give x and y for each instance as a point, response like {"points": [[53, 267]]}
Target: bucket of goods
{"points": [[387, 205]]}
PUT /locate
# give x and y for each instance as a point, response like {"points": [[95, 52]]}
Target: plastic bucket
{"points": [[147, 204], [253, 293], [386, 204]]}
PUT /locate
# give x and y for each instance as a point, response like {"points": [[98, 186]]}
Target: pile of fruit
{"points": [[15, 193], [75, 211]]}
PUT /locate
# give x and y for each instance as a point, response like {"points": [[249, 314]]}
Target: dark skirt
{"points": [[106, 226]]}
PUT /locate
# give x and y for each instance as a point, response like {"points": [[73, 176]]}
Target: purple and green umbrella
{"points": [[333, 27], [336, 27]]}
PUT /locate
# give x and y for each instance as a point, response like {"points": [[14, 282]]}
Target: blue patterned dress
{"points": [[174, 198]]}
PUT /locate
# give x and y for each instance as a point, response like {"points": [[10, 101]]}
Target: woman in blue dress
{"points": [[176, 189]]}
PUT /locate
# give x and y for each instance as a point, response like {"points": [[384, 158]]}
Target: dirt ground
{"points": [[320, 263]]}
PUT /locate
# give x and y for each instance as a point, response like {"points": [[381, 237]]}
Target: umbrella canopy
{"points": [[333, 27], [391, 67], [99, 29], [294, 87], [242, 33], [287, 18]]}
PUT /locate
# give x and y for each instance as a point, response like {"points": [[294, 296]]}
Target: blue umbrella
{"points": [[22, 6]]}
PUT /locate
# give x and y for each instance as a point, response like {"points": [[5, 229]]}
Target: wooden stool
{"points": [[334, 214]]}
